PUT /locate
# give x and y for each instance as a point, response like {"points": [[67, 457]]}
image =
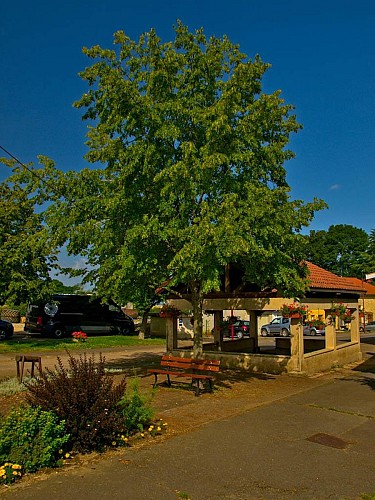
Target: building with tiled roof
{"points": [[323, 280], [367, 298]]}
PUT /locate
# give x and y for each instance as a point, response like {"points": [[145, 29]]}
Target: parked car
{"points": [[310, 329], [370, 327], [241, 329], [66, 313], [281, 326], [6, 329]]}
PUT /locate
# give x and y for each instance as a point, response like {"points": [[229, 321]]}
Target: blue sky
{"points": [[322, 55]]}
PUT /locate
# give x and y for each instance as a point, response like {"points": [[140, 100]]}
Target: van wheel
{"points": [[284, 332], [124, 331], [59, 333]]}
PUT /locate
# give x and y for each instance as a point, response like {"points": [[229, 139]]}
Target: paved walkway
{"points": [[260, 437]]}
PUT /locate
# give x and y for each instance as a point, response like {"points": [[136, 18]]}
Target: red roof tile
{"points": [[370, 289], [322, 279]]}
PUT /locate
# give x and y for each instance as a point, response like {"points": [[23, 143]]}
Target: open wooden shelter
{"points": [[293, 354]]}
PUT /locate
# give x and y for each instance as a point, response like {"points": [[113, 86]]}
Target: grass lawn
{"points": [[94, 342]]}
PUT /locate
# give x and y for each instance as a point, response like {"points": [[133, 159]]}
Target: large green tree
{"points": [[343, 250], [193, 173]]}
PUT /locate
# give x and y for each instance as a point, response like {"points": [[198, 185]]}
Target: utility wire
{"points": [[32, 172]]}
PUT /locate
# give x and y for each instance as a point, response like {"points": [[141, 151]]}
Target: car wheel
{"points": [[59, 333], [312, 331], [239, 335], [124, 330], [3, 334], [284, 332], [264, 332]]}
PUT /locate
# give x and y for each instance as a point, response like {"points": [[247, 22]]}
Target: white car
{"points": [[370, 327]]}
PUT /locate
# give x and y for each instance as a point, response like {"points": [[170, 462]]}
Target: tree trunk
{"points": [[143, 328], [197, 303]]}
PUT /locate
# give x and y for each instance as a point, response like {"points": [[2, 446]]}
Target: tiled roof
{"points": [[322, 279], [370, 289]]}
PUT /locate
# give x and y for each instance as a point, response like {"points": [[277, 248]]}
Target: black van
{"points": [[67, 313]]}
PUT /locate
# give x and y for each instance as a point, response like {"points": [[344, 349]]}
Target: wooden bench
{"points": [[196, 369], [20, 363]]}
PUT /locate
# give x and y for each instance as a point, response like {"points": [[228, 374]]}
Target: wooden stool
{"points": [[20, 362]]}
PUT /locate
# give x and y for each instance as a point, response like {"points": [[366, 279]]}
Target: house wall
{"points": [[369, 302]]}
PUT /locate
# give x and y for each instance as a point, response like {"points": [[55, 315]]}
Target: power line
{"points": [[32, 172]]}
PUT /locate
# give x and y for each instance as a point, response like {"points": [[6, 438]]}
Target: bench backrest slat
{"points": [[211, 365]]}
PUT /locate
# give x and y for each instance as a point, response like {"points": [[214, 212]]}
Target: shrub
{"points": [[11, 386], [136, 409], [32, 438], [85, 397]]}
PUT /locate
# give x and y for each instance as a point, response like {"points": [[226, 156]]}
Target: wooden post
{"points": [[254, 329], [218, 334]]}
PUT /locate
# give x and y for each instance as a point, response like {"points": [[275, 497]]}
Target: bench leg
{"points": [[169, 380], [197, 386], [22, 369], [156, 380]]}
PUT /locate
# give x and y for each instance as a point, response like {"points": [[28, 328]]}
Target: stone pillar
{"points": [[354, 327], [218, 334], [171, 332], [254, 329], [296, 345], [330, 333]]}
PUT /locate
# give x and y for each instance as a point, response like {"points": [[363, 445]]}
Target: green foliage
{"points": [[32, 438], [58, 287], [11, 386], [193, 176], [135, 409], [26, 256], [85, 397], [343, 250], [370, 253], [21, 308]]}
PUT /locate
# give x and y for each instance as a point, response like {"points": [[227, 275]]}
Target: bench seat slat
{"points": [[180, 374]]}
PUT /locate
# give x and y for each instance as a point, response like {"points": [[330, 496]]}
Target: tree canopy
{"points": [[192, 177], [26, 257], [343, 250]]}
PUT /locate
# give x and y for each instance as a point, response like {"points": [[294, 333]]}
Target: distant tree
{"points": [[369, 256], [58, 286], [193, 177], [341, 250]]}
